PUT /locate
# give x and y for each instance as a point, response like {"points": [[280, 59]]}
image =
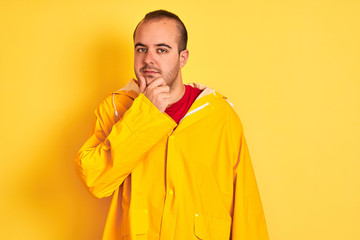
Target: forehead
{"points": [[157, 31]]}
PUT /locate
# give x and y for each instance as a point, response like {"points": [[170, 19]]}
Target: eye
{"points": [[162, 50], [141, 50]]}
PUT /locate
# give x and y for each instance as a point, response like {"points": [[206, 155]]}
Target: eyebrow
{"points": [[139, 44], [158, 45], [163, 45]]}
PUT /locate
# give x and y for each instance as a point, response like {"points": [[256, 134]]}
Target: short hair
{"points": [[161, 14]]}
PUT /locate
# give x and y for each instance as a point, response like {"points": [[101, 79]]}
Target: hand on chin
{"points": [[151, 77]]}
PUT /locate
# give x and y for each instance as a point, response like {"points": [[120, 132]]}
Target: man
{"points": [[173, 156]]}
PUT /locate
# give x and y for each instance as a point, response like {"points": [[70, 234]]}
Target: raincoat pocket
{"points": [[207, 228]]}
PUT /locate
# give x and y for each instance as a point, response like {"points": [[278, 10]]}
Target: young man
{"points": [[173, 156]]}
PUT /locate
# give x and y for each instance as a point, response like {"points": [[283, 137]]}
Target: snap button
{"points": [[171, 192]]}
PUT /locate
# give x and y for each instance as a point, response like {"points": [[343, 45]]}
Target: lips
{"points": [[149, 71]]}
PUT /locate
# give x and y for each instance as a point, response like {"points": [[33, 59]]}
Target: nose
{"points": [[149, 58]]}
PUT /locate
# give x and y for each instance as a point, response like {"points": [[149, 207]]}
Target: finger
{"points": [[142, 84], [161, 89], [164, 96], [157, 82]]}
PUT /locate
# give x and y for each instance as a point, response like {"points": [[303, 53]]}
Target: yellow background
{"points": [[291, 69]]}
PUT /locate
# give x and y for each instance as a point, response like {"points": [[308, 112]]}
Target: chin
{"points": [[149, 79], [150, 76]]}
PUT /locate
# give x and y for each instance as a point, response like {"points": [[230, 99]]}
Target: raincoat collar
{"points": [[132, 89], [203, 105]]}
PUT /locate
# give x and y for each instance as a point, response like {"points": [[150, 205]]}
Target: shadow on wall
{"points": [[56, 199], [110, 67]]}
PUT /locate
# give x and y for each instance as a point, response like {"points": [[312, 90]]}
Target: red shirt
{"points": [[178, 110]]}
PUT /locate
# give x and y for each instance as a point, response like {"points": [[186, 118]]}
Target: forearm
{"points": [[104, 164]]}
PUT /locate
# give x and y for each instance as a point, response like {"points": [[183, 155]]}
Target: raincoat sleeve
{"points": [[115, 148], [248, 215]]}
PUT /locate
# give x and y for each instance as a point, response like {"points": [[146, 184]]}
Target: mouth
{"points": [[149, 71]]}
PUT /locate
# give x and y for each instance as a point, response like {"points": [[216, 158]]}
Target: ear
{"points": [[184, 55]]}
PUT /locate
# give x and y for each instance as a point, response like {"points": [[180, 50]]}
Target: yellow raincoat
{"points": [[188, 181]]}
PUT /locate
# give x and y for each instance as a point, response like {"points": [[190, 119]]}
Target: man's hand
{"points": [[157, 92]]}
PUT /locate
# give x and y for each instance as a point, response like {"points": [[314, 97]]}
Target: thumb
{"points": [[142, 84]]}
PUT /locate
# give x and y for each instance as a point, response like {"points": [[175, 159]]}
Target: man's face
{"points": [[156, 51]]}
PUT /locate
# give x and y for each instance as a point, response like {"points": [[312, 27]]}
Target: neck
{"points": [[177, 90]]}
